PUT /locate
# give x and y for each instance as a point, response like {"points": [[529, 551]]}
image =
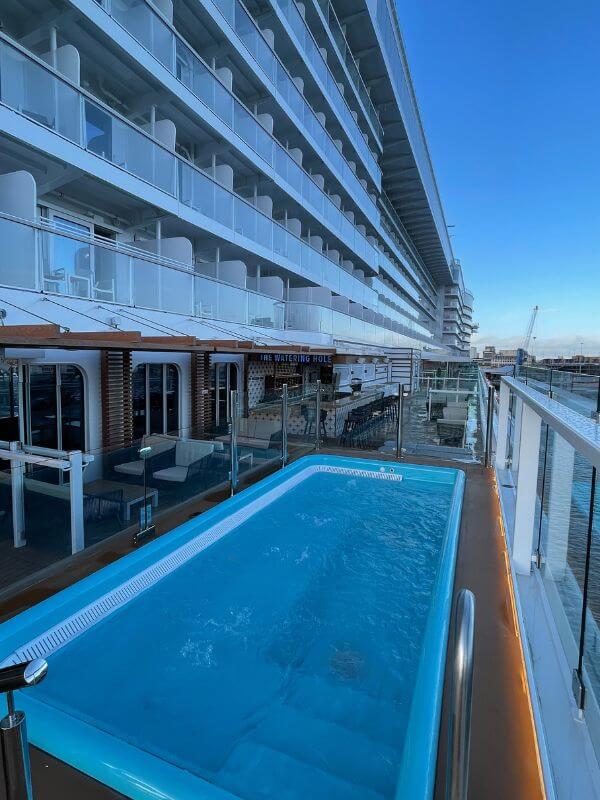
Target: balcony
{"points": [[284, 89], [312, 54], [152, 31], [57, 260], [35, 91], [307, 316], [334, 28]]}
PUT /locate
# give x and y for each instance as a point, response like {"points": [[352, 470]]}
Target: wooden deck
{"points": [[504, 757]]}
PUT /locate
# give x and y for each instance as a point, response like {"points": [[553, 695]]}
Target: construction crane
{"points": [[528, 333]]}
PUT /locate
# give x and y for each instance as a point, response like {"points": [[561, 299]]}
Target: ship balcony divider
{"points": [[332, 25], [306, 316], [327, 80], [163, 42], [547, 460], [284, 89], [34, 90]]}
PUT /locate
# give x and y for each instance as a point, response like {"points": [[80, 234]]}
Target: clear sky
{"points": [[509, 93]]}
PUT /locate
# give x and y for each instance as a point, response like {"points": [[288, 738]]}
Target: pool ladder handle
{"points": [[15, 773], [459, 722]]}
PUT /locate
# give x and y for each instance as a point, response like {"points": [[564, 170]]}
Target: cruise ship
{"points": [[266, 530]]}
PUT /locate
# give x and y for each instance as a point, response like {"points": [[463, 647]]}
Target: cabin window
{"points": [[155, 399], [55, 406]]}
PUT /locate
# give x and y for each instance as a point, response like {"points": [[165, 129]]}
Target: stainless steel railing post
{"points": [[489, 426], [233, 473], [400, 421], [459, 723], [15, 772], [318, 416], [284, 424]]}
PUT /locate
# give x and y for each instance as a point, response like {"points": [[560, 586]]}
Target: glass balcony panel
{"points": [[591, 652], [146, 283], [280, 239], [245, 219], [144, 25], [223, 104], [177, 288], [264, 231], [227, 8], [206, 298], [264, 311], [264, 144], [33, 91], [245, 125], [112, 276], [224, 203], [563, 537], [17, 255], [233, 303], [266, 59]]}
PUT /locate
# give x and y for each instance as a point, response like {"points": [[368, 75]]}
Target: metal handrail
{"points": [[459, 723]]}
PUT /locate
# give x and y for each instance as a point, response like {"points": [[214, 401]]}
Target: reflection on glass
{"points": [[72, 409], [43, 430]]}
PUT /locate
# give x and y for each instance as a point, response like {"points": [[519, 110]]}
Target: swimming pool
{"points": [[289, 643]]}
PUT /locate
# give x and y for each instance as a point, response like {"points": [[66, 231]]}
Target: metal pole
{"points": [[17, 469], [318, 416], [459, 724], [489, 426], [15, 775], [284, 424], [578, 687], [399, 421], [233, 474], [76, 501]]}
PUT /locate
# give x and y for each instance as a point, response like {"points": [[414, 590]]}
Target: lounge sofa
{"points": [[191, 457], [260, 434], [160, 445]]}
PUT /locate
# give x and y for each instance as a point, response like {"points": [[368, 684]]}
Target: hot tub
{"points": [[290, 643]]}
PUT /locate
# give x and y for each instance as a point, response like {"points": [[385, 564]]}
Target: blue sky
{"points": [[509, 93]]}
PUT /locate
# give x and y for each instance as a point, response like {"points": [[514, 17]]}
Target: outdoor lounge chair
{"points": [[260, 434], [190, 458], [135, 469]]}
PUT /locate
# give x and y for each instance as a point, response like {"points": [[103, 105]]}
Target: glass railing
{"points": [[39, 94], [327, 80], [45, 97], [339, 38], [36, 256], [304, 316], [421, 274], [548, 457], [46, 258], [576, 390], [286, 90], [149, 28], [390, 241]]}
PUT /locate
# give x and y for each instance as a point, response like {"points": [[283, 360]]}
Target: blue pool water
{"points": [[281, 661]]}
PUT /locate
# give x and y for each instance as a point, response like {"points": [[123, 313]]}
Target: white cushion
{"points": [[186, 452], [134, 468], [173, 474]]}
